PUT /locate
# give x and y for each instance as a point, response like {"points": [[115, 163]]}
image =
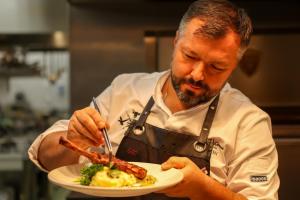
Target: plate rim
{"points": [[146, 189]]}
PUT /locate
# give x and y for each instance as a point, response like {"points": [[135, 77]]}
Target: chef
{"points": [[187, 118]]}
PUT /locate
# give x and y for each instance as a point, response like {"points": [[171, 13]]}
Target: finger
{"points": [[84, 132], [99, 121], [78, 138], [85, 120], [174, 162]]}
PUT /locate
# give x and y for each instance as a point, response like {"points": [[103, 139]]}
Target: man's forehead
{"points": [[219, 59], [199, 27], [195, 24]]}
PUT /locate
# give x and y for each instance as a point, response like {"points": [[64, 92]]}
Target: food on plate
{"points": [[97, 158], [104, 176]]}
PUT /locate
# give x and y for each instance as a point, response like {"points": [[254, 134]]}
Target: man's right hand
{"points": [[85, 128]]}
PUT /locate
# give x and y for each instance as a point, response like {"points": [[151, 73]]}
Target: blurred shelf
{"points": [[11, 161], [10, 72], [56, 41]]}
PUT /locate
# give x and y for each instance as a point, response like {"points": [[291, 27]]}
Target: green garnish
{"points": [[114, 173], [112, 165], [88, 172]]}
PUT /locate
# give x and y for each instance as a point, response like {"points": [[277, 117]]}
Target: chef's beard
{"points": [[188, 97]]}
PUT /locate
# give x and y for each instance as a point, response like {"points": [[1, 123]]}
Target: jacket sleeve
{"points": [[252, 169], [61, 125]]}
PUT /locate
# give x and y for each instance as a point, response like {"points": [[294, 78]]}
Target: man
{"points": [[188, 118]]}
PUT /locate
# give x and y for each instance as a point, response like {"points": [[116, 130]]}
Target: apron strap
{"points": [[139, 125], [208, 120], [201, 143]]}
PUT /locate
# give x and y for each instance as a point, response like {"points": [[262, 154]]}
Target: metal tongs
{"points": [[104, 133]]}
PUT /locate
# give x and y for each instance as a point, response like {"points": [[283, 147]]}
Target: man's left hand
{"points": [[194, 179]]}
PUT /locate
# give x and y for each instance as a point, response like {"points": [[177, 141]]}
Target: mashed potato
{"points": [[112, 178], [99, 175]]}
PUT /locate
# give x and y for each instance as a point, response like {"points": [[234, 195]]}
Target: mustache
{"points": [[199, 84]]}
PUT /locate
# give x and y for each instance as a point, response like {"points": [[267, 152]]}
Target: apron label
{"points": [[132, 151], [258, 178]]}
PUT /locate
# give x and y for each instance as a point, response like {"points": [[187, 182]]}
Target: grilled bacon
{"points": [[98, 158]]}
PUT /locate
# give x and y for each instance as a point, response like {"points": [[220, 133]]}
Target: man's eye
{"points": [[190, 57], [216, 68]]}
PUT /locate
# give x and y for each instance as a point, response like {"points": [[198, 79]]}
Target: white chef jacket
{"points": [[244, 158]]}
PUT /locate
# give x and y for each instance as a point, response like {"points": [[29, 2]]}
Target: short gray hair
{"points": [[219, 17]]}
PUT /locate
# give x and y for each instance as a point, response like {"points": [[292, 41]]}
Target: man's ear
{"points": [[176, 38]]}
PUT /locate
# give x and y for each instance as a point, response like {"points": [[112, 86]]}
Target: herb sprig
{"points": [[88, 172]]}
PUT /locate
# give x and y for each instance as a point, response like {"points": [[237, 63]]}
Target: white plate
{"points": [[66, 176]]}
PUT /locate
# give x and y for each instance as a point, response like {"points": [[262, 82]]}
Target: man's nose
{"points": [[198, 71]]}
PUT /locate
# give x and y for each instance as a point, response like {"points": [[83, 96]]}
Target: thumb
{"points": [[174, 162]]}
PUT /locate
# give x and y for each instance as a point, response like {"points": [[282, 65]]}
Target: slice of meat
{"points": [[95, 157]]}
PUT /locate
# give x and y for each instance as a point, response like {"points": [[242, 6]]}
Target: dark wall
{"points": [[106, 40], [107, 36]]}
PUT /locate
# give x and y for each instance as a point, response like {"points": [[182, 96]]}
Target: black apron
{"points": [[146, 143]]}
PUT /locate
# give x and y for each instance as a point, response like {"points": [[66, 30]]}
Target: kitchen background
{"points": [[34, 88], [56, 54]]}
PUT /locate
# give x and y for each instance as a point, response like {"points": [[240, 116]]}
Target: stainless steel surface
{"points": [[104, 133]]}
